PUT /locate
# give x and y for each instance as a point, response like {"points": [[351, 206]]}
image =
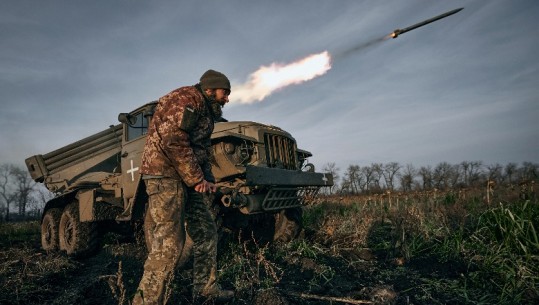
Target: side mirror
{"points": [[127, 119]]}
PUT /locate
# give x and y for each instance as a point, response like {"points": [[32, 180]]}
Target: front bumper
{"points": [[273, 176], [285, 189]]}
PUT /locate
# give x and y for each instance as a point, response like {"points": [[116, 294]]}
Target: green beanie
{"points": [[212, 79]]}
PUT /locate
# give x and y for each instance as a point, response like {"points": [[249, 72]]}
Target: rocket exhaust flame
{"points": [[268, 79]]}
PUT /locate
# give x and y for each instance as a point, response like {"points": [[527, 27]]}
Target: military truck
{"points": [[258, 169]]}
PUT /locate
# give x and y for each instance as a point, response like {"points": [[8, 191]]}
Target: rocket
{"points": [[398, 32]]}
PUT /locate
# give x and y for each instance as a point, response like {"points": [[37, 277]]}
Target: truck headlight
{"points": [[245, 152], [229, 148]]}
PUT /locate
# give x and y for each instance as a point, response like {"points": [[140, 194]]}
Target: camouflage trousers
{"points": [[171, 205], [203, 231]]}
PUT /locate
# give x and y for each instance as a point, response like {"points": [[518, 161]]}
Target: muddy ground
{"points": [[308, 273]]}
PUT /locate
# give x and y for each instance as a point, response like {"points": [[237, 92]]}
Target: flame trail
{"points": [[268, 79]]}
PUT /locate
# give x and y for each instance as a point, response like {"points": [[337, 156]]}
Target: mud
{"points": [[314, 274]]}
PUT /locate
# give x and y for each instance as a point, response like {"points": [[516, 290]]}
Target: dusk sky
{"points": [[464, 88]]}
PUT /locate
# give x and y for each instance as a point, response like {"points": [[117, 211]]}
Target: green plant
{"points": [[513, 227], [304, 249], [16, 232]]}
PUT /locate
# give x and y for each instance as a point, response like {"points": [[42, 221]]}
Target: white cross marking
{"points": [[132, 171], [325, 179]]}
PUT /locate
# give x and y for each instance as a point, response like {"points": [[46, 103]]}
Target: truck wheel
{"points": [[77, 238], [288, 224], [49, 229]]}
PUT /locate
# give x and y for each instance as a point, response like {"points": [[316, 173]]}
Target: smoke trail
{"points": [[361, 46], [268, 79]]}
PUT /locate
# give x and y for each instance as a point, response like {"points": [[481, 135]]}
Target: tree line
{"points": [[393, 176], [20, 196]]}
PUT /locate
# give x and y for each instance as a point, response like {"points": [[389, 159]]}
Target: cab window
{"points": [[139, 128]]}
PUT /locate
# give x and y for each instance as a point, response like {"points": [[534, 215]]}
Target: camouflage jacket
{"points": [[178, 142]]}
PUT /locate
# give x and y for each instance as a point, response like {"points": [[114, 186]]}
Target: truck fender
{"points": [[136, 206], [60, 201]]}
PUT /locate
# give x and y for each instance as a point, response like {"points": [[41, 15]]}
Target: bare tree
{"points": [[354, 179], [367, 173], [443, 175], [16, 187], [495, 172], [465, 166], [24, 186], [389, 171], [332, 169], [510, 172], [529, 171], [454, 178], [378, 176], [426, 175], [407, 177], [37, 201], [471, 172], [7, 192]]}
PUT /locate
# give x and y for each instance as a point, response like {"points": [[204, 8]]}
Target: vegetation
{"points": [[20, 193], [392, 176], [384, 234], [476, 253], [423, 248]]}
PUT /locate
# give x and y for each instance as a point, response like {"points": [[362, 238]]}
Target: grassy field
{"points": [[353, 250]]}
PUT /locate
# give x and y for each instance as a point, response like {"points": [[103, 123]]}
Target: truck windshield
{"points": [[138, 129]]}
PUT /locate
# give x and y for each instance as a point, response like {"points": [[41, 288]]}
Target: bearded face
{"points": [[217, 110], [217, 100]]}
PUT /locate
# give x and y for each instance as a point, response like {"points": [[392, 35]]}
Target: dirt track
{"points": [[268, 276]]}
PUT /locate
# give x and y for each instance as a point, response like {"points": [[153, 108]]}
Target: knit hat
{"points": [[212, 79]]}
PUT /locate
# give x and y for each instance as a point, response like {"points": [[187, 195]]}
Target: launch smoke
{"points": [[268, 79]]}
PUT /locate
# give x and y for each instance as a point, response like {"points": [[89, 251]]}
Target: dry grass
{"points": [[493, 248], [448, 249]]}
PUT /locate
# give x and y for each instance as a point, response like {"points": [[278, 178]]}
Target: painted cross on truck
{"points": [[132, 171]]}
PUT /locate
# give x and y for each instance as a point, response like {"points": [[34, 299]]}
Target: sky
{"points": [[464, 88]]}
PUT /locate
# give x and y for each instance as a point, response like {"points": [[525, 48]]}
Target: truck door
{"points": [[135, 131]]}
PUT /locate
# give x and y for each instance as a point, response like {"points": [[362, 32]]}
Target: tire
{"points": [[49, 229], [77, 239], [288, 225]]}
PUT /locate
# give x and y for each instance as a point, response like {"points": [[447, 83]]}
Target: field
{"points": [[415, 249]]}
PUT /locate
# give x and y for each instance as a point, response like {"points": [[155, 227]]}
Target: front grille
{"points": [[281, 197], [280, 151]]}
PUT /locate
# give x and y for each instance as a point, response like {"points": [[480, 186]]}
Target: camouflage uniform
{"points": [[178, 144], [176, 158], [203, 231]]}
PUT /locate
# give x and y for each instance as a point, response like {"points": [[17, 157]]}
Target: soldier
{"points": [[177, 172]]}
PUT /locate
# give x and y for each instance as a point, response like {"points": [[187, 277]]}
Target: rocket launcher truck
{"points": [[259, 171]]}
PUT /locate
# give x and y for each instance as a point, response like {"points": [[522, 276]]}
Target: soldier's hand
{"points": [[205, 186]]}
